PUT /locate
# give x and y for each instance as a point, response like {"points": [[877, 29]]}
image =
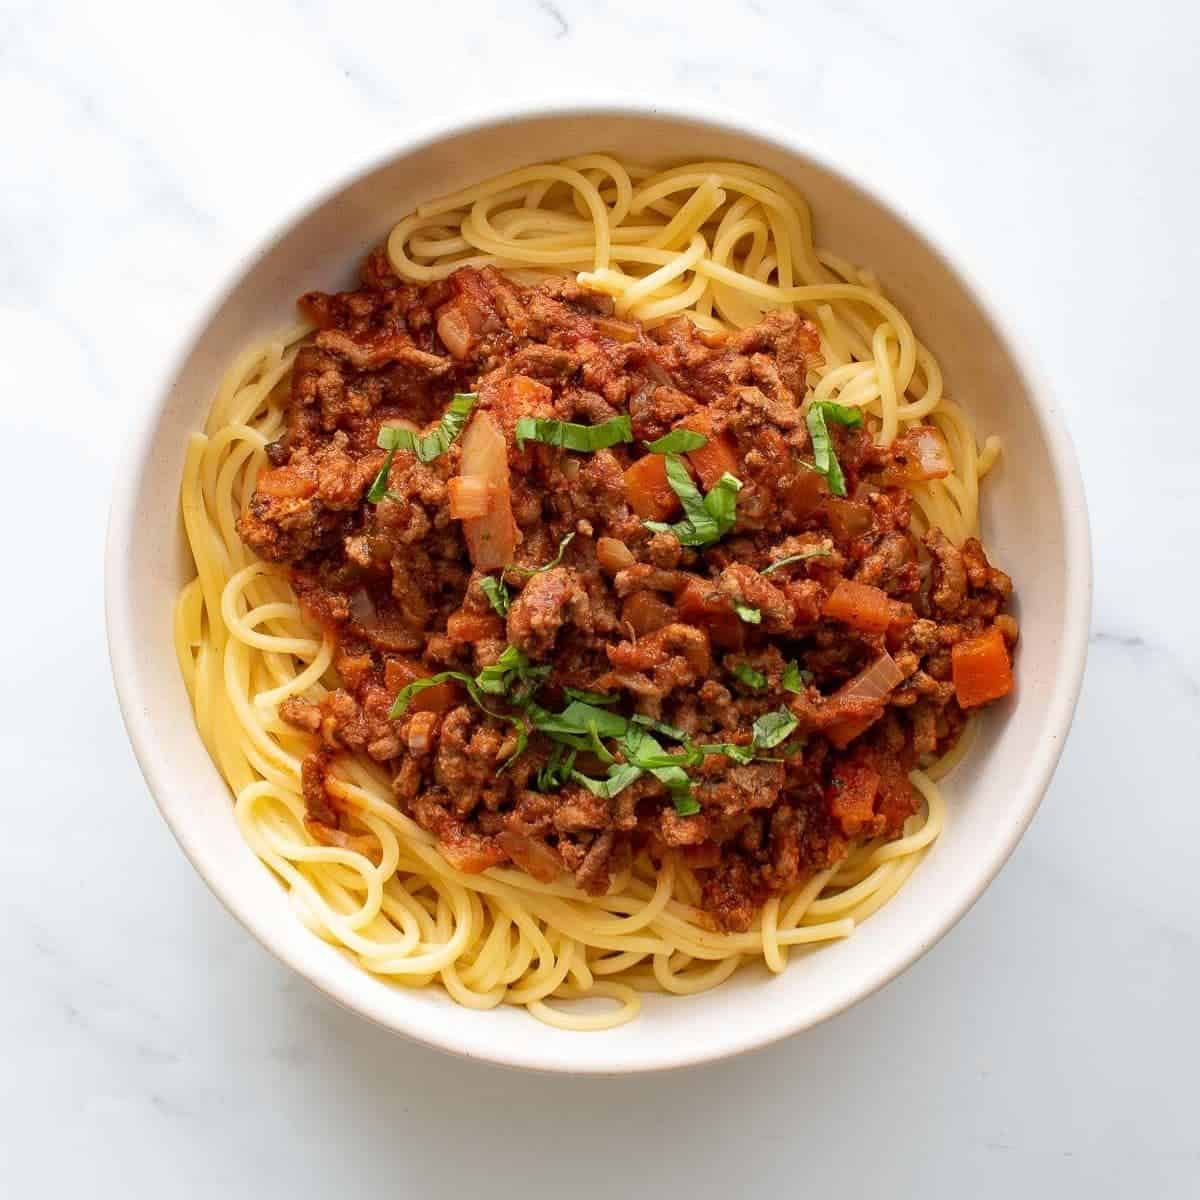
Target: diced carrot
{"points": [[613, 555], [842, 733], [862, 607], [287, 483], [649, 493], [353, 668], [807, 492], [492, 538], [400, 672], [440, 698], [981, 669], [852, 798], [647, 612], [897, 800], [470, 497], [699, 603], [714, 459], [473, 627]]}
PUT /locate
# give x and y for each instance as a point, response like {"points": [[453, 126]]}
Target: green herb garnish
{"points": [[574, 437], [511, 675], [589, 697], [801, 557], [749, 676], [644, 751], [771, 728], [671, 731], [620, 776], [706, 518], [678, 441], [824, 459], [794, 678], [496, 590], [747, 612], [556, 770]]}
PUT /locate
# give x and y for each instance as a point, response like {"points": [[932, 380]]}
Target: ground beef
{"points": [[704, 640], [548, 601]]}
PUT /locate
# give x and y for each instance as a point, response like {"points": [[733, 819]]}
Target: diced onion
{"points": [[533, 857], [455, 331], [873, 683], [929, 454], [492, 537]]}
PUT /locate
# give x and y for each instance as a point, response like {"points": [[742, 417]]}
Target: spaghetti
{"points": [[722, 243]]}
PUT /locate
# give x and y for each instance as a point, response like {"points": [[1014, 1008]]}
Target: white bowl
{"points": [[1035, 526]]}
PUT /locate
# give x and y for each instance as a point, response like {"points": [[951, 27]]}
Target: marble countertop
{"points": [[1047, 1046]]}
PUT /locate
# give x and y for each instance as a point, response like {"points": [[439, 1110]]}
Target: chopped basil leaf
{"points": [[510, 669], [428, 446], [582, 716], [597, 746], [794, 678], [706, 518], [546, 566], [379, 485], [721, 502], [697, 515], [842, 414], [556, 770], [801, 557], [824, 459], [577, 722], [662, 727], [749, 676], [620, 776], [747, 612], [741, 754], [644, 751], [588, 697], [496, 590], [522, 745], [678, 441], [574, 437], [771, 728], [647, 753]]}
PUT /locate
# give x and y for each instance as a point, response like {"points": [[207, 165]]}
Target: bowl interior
{"points": [[1033, 523]]}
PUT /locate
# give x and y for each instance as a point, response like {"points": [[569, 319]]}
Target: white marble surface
{"points": [[1047, 1046]]}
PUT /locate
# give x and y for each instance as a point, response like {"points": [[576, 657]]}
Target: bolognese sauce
{"points": [[597, 589]]}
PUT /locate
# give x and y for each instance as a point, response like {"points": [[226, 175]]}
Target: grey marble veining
{"points": [[1047, 1046]]}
